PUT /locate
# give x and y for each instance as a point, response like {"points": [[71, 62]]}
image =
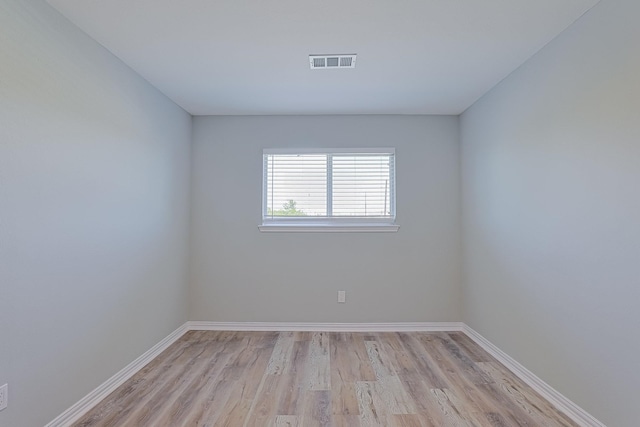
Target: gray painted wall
{"points": [[240, 274], [94, 196], [551, 202]]}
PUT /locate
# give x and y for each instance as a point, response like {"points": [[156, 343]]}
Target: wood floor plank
{"points": [[399, 356], [141, 385], [210, 404], [318, 374], [349, 363], [388, 384], [381, 364], [371, 405], [228, 387], [166, 395], [463, 362], [192, 397], [427, 368], [204, 383], [532, 403], [452, 416], [476, 390], [349, 358], [317, 409], [426, 404], [347, 421], [286, 421], [292, 399], [477, 353], [280, 362], [344, 399], [235, 411], [405, 420], [392, 391], [264, 407], [295, 379]]}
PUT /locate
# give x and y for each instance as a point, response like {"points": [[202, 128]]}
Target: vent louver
{"points": [[325, 62]]}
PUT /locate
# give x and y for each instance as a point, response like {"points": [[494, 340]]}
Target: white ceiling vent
{"points": [[325, 62]]}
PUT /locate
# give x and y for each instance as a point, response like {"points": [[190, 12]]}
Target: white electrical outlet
{"points": [[342, 296], [4, 396]]}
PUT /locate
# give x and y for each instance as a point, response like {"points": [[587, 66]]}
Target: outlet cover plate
{"points": [[342, 296], [4, 396]]}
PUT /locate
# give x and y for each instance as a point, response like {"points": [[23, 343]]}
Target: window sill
{"points": [[328, 228]]}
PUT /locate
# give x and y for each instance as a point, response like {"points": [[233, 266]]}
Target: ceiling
{"points": [[227, 57]]}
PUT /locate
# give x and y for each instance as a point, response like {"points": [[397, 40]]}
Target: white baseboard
{"points": [[565, 405], [327, 327], [84, 405], [573, 411]]}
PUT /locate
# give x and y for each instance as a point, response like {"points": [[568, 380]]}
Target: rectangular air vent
{"points": [[326, 62]]}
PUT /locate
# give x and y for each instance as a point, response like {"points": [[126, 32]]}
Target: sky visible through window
{"points": [[357, 185]]}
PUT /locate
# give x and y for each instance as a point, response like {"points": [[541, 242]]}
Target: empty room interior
{"points": [[305, 213]]}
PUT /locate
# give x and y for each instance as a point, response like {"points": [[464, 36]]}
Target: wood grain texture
{"points": [[306, 379]]}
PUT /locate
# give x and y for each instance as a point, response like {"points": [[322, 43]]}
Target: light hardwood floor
{"points": [[307, 379]]}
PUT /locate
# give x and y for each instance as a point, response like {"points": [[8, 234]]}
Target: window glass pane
{"points": [[296, 185], [362, 186]]}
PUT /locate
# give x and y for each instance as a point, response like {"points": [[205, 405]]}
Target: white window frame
{"points": [[331, 225]]}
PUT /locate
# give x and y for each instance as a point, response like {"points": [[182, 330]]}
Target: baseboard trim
{"points": [[84, 405], [327, 327], [562, 403]]}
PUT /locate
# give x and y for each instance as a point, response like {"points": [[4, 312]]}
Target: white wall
{"points": [[551, 202], [94, 185], [240, 274]]}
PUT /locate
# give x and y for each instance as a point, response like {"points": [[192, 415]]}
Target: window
{"points": [[328, 190]]}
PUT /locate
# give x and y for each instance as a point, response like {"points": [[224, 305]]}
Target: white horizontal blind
{"points": [[296, 185], [329, 185], [362, 185]]}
